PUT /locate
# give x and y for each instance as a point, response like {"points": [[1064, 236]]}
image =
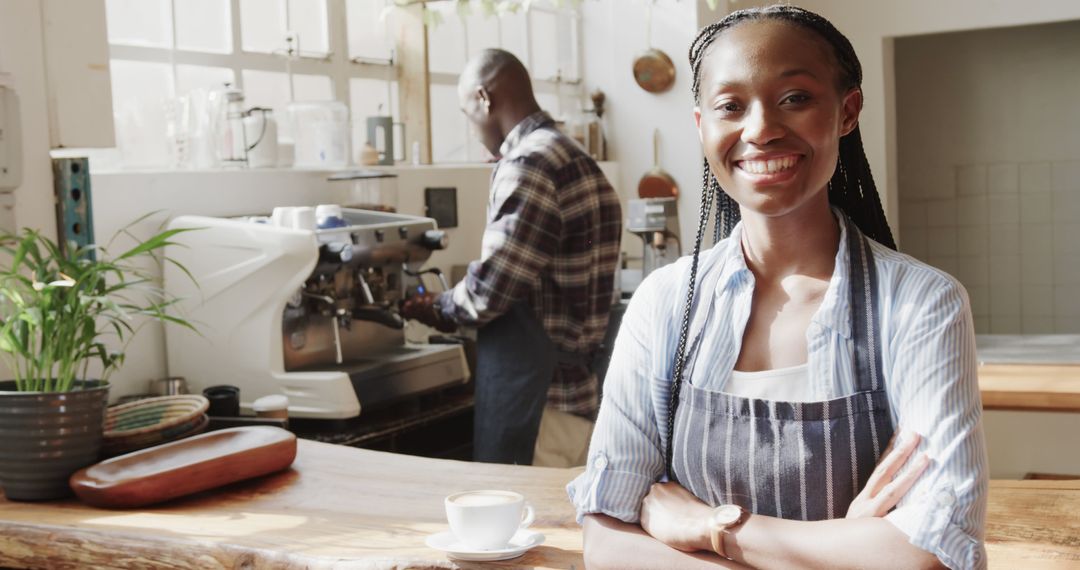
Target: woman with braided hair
{"points": [[755, 387]]}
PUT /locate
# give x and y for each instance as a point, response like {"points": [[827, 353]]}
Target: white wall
{"points": [[988, 145], [870, 25], [614, 33]]}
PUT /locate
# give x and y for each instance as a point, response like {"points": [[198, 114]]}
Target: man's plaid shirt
{"points": [[552, 237]]}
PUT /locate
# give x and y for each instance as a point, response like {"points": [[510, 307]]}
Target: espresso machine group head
{"points": [[310, 314]]}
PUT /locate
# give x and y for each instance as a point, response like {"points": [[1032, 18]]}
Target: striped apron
{"points": [[793, 460]]}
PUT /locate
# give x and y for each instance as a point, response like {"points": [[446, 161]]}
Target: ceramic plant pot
{"points": [[47, 436]]}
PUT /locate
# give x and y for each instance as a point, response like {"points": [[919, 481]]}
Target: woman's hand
{"points": [[674, 516], [884, 489]]}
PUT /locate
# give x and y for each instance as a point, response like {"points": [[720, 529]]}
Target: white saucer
{"points": [[521, 542]]}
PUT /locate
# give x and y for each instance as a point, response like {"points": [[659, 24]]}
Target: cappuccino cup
{"points": [[487, 520]]}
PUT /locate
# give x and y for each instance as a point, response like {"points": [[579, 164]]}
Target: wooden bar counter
{"points": [[340, 507]]}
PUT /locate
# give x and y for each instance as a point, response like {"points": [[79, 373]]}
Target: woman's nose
{"points": [[761, 126]]}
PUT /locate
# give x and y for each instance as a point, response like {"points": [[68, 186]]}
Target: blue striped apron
{"points": [[793, 460]]}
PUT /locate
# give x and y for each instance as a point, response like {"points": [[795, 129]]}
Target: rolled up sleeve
{"points": [[625, 452], [935, 392]]}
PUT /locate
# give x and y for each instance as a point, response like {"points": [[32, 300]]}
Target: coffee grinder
{"points": [[656, 222]]}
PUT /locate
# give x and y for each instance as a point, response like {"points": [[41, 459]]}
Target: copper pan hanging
{"points": [[657, 183], [653, 69]]}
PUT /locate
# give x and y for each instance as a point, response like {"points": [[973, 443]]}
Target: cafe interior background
{"points": [[970, 126]]}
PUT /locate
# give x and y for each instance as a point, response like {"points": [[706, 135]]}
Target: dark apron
{"points": [[515, 362], [793, 460]]}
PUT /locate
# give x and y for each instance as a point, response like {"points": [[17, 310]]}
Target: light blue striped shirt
{"points": [[928, 355]]}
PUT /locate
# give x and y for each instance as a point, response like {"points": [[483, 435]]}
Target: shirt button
{"points": [[600, 462], [945, 499]]}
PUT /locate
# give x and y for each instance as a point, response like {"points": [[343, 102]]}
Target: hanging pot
{"points": [[653, 69], [657, 183], [47, 436]]}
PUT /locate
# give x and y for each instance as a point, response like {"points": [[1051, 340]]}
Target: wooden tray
{"points": [[186, 466]]}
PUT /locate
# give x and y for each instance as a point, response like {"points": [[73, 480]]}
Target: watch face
{"points": [[727, 515]]}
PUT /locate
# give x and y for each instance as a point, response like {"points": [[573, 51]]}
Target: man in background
{"points": [[541, 292]]}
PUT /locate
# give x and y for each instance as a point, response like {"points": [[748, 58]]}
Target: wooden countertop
{"points": [[344, 507], [1033, 387]]}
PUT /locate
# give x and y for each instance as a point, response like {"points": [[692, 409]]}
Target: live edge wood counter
{"points": [[341, 507]]}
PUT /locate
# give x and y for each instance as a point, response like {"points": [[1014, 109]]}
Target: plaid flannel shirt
{"points": [[552, 237]]}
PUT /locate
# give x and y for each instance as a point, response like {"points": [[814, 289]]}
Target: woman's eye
{"points": [[797, 98], [728, 107]]}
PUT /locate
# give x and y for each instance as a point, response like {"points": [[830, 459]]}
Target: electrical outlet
{"points": [[292, 43]]}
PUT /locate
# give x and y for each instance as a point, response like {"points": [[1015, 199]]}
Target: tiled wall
{"points": [[988, 142], [1010, 232]]}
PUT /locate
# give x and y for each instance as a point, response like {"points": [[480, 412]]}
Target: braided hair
{"points": [[851, 188]]}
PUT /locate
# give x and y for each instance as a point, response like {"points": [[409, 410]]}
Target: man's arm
{"points": [[518, 245]]}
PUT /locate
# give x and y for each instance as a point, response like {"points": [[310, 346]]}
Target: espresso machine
{"points": [[312, 314], [656, 222]]}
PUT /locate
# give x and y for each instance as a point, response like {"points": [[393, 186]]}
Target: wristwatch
{"points": [[722, 520]]}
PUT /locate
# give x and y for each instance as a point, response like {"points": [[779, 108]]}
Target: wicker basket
{"points": [[149, 422]]}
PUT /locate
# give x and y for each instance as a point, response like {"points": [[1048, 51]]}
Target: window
{"points": [[167, 55], [545, 39]]}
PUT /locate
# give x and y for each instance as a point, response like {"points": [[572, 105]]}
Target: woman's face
{"points": [[771, 116]]}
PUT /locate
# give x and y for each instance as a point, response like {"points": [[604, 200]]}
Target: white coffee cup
{"points": [[281, 217], [303, 218], [488, 519]]}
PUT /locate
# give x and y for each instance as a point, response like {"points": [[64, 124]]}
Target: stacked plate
{"points": [[145, 423]]}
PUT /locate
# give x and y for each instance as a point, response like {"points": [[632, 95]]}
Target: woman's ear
{"points": [[852, 106]]}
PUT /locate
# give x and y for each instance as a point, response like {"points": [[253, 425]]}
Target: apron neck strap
{"points": [[866, 331]]}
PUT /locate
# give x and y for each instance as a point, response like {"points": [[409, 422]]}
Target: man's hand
{"points": [[884, 489], [674, 516], [421, 307]]}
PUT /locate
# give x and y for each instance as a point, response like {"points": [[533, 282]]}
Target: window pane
{"points": [[369, 98], [271, 89], [448, 129], [475, 151], [139, 93], [550, 103], [308, 19], [568, 45], [189, 77], [446, 41], [512, 31], [367, 35], [312, 88], [139, 22], [545, 53], [262, 25], [204, 25], [482, 32]]}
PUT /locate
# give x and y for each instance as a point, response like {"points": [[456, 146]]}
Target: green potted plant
{"points": [[60, 311]]}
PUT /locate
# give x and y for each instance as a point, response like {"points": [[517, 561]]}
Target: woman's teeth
{"points": [[768, 166]]}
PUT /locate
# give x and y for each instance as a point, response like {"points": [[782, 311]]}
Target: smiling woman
{"points": [[745, 415]]}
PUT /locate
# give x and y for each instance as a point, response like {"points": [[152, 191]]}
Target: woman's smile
{"points": [[768, 169]]}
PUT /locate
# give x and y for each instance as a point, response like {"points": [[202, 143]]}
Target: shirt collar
{"points": [[834, 312], [523, 128]]}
